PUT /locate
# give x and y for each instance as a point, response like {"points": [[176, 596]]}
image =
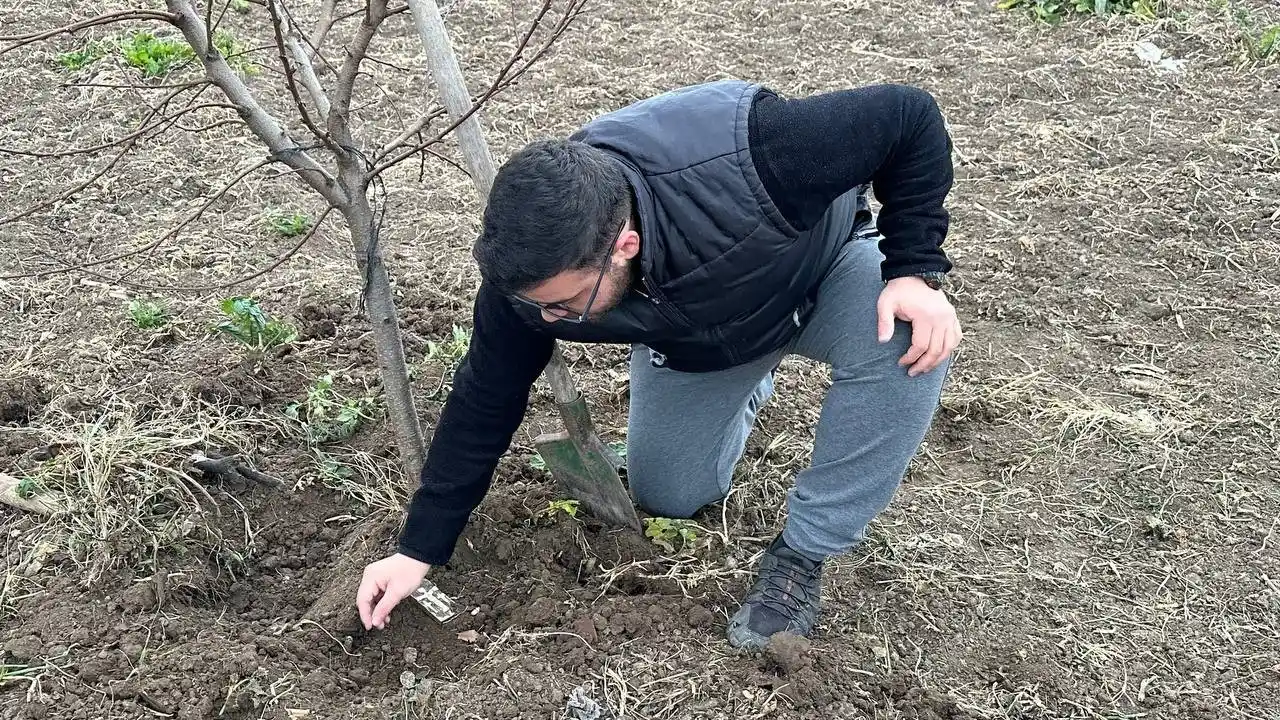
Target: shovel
{"points": [[585, 467]]}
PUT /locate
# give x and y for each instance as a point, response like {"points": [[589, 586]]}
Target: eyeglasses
{"points": [[566, 314]]}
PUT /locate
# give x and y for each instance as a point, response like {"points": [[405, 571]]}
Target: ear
{"points": [[628, 246]]}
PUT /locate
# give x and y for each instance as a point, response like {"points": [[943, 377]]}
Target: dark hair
{"points": [[556, 205]]}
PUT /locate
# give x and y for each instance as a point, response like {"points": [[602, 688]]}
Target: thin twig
{"points": [[105, 19], [238, 281], [505, 78], [409, 132]]}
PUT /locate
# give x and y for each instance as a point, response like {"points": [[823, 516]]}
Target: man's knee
{"points": [[670, 502]]}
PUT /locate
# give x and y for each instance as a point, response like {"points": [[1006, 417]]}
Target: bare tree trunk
{"points": [[380, 308]]}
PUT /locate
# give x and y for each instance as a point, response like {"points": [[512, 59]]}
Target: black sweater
{"points": [[808, 151]]}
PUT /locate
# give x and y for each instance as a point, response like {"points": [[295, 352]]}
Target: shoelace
{"points": [[776, 594]]}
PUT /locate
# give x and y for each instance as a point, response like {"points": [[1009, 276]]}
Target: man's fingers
{"points": [[364, 600], [885, 310], [925, 360], [390, 598], [942, 343], [921, 331]]}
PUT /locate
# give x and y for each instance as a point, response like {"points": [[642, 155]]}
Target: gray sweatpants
{"points": [[687, 431]]}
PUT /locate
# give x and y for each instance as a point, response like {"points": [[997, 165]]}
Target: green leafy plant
{"points": [[1263, 45], [155, 56], [90, 53], [289, 224], [670, 534], [241, 6], [249, 324], [147, 314], [1055, 11], [568, 507], [326, 415], [26, 488], [450, 351], [233, 51]]}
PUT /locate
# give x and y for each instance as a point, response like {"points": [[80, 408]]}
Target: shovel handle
{"points": [[558, 378]]}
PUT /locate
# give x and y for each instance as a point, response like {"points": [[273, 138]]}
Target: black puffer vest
{"points": [[724, 278]]}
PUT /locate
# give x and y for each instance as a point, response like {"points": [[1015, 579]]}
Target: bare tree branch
{"points": [[268, 129], [290, 253], [105, 19], [339, 123], [283, 29], [131, 86], [409, 132], [328, 16], [308, 72]]}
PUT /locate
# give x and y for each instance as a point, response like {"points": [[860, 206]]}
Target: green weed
{"points": [[1263, 45], [26, 488], [90, 53], [451, 351], [147, 314], [326, 415], [568, 507], [233, 51], [670, 534], [1055, 11], [289, 224], [155, 56], [241, 6], [249, 324]]}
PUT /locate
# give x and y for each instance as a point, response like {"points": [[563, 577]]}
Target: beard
{"points": [[616, 285]]}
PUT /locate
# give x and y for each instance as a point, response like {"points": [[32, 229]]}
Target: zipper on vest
{"points": [[652, 295]]}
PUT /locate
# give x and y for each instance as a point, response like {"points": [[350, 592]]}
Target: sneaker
{"points": [[785, 598]]}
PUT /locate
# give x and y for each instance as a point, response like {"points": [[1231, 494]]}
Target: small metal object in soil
{"points": [[434, 601]]}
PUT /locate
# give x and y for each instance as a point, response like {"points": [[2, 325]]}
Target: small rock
{"points": [[1155, 311]]}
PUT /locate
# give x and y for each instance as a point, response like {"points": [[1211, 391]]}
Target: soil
{"points": [[1088, 531]]}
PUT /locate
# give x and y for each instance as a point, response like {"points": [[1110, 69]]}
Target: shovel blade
{"points": [[589, 476]]}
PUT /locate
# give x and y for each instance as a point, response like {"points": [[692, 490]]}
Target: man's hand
{"points": [[935, 331], [387, 582]]}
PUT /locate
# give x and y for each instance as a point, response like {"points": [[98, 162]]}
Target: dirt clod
{"points": [[788, 653], [21, 398], [699, 617], [585, 628]]}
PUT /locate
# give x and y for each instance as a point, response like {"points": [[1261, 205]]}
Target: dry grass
{"points": [[121, 478]]}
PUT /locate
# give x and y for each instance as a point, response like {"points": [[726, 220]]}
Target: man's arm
{"points": [[808, 151], [481, 414]]}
